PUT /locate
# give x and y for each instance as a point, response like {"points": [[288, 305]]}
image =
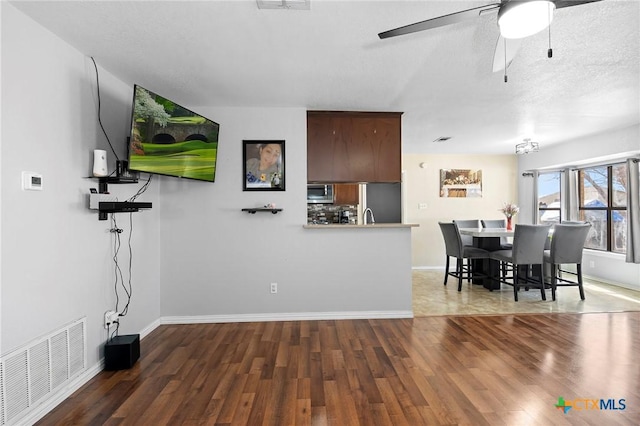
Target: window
{"points": [[549, 207], [603, 203]]}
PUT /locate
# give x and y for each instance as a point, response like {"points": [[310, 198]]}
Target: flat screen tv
{"points": [[168, 139]]}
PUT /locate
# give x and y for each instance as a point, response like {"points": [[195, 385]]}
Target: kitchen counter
{"points": [[350, 226], [357, 260]]}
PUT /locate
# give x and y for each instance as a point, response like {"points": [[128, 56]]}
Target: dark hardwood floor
{"points": [[454, 370]]}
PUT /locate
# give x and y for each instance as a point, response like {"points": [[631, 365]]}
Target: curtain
{"points": [[633, 211], [570, 196], [534, 202]]}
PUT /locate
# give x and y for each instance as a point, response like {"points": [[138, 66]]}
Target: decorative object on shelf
{"points": [[100, 163], [509, 210], [123, 172], [527, 146], [253, 210], [263, 165], [460, 183]]}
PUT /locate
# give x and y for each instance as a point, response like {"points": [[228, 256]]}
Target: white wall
{"points": [[614, 145], [56, 264], [422, 186], [219, 261], [1, 44], [195, 249]]}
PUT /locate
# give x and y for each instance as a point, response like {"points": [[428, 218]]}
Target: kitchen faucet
{"points": [[364, 216]]}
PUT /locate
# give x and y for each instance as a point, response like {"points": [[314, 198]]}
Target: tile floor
{"points": [[432, 298]]}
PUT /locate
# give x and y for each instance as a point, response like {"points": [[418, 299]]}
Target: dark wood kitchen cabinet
{"points": [[325, 135], [346, 193], [353, 146]]}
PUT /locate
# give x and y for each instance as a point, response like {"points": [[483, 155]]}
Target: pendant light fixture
{"points": [[527, 146]]}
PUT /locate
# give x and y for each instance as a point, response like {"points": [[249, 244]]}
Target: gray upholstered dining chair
{"points": [[504, 241], [467, 240], [455, 248], [493, 223], [527, 252], [547, 245], [567, 244]]}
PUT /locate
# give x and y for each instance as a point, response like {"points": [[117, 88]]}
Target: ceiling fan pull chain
{"points": [[550, 51], [505, 60]]}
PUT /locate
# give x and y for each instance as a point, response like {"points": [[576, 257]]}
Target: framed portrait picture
{"points": [[263, 165]]}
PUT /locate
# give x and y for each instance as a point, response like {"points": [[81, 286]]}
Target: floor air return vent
{"points": [[31, 374]]}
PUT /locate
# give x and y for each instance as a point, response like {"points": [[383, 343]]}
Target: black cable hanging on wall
{"points": [[100, 109], [119, 276]]}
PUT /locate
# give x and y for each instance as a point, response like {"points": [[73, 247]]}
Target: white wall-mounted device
{"points": [[100, 163], [31, 181]]}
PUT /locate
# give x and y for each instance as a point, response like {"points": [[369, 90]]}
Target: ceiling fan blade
{"points": [[568, 3], [500, 56], [440, 21]]}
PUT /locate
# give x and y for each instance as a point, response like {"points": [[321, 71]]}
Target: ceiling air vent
{"points": [[443, 139], [284, 4]]}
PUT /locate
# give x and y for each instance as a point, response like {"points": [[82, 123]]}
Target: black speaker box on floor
{"points": [[122, 352]]}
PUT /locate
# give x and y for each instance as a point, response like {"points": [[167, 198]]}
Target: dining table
{"points": [[489, 239]]}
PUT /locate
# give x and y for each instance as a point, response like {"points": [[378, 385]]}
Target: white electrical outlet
{"points": [[274, 288], [422, 206], [592, 264], [110, 317]]}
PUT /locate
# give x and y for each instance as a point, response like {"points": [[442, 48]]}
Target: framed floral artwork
{"points": [[263, 165]]}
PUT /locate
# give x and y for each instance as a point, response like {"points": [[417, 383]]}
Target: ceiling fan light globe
{"points": [[519, 19]]}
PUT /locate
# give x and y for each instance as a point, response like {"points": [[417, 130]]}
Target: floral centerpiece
{"points": [[509, 210]]}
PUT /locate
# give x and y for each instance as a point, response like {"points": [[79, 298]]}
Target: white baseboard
{"points": [[39, 411], [433, 268], [148, 329], [296, 316], [607, 281]]}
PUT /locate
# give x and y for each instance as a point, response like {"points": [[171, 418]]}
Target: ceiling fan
{"points": [[517, 19]]}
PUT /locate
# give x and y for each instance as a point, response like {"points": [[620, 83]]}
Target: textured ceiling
{"points": [[215, 53]]}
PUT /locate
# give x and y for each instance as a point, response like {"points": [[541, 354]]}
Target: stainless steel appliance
{"points": [[319, 193], [385, 200]]}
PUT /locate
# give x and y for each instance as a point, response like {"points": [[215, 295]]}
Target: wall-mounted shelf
{"points": [[106, 207], [261, 209], [122, 206], [104, 181]]}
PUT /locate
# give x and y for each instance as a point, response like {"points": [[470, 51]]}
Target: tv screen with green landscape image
{"points": [[169, 139]]}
